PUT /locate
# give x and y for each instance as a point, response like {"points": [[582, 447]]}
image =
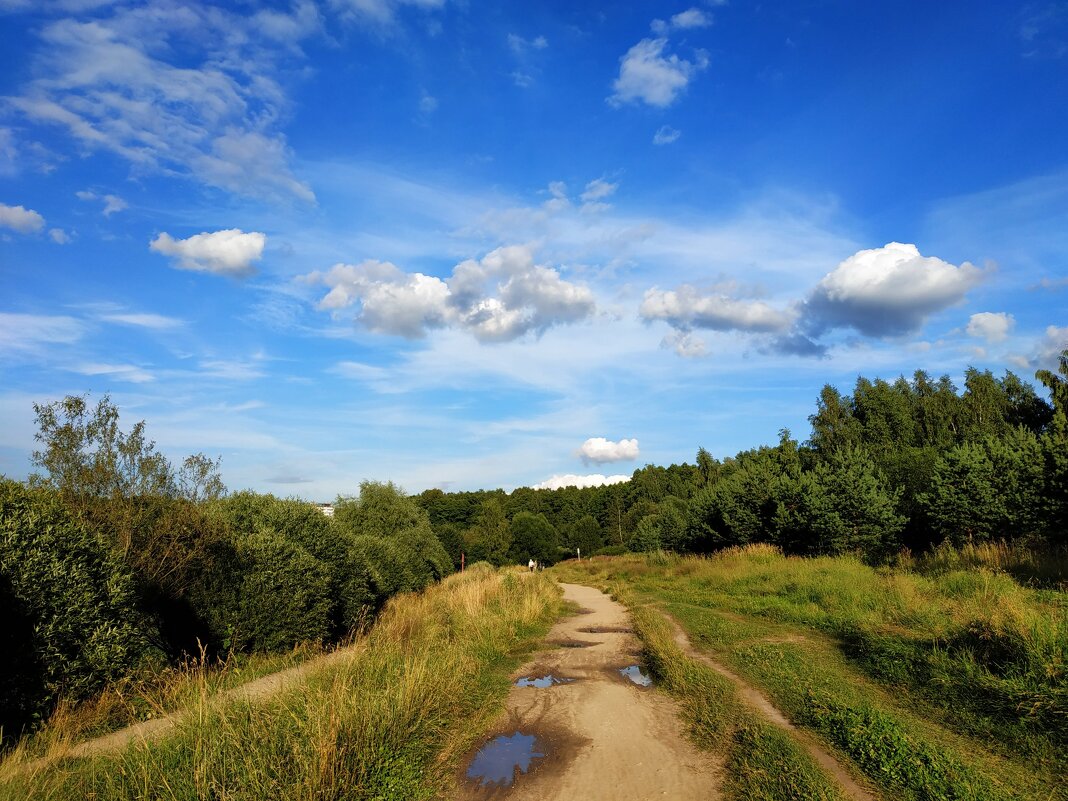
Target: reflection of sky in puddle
{"points": [[634, 673], [541, 681], [496, 761]]}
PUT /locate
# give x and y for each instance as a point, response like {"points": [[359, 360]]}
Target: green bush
{"points": [[264, 593], [68, 599], [385, 567]]}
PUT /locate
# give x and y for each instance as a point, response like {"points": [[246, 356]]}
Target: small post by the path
{"points": [[578, 554], [463, 557]]}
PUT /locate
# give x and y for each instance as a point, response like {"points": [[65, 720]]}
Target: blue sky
{"points": [[467, 245]]}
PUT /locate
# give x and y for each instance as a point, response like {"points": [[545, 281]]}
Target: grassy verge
{"points": [[154, 694], [947, 686], [388, 722], [762, 762]]}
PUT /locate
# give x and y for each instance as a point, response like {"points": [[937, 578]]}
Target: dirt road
{"points": [[605, 737]]}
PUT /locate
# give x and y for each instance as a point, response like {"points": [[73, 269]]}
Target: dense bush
{"points": [[68, 599], [263, 593]]}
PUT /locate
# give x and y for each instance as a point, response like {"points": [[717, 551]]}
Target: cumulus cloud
{"points": [[18, 218], [229, 252], [648, 75], [601, 451], [665, 135], [205, 105], [691, 18], [572, 480], [59, 236], [686, 308], [990, 326], [112, 203], [498, 298], [887, 291]]}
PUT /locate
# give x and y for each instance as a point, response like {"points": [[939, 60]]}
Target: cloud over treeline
{"points": [[601, 451], [498, 298]]}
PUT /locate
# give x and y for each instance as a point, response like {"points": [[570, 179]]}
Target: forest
{"points": [[114, 561]]}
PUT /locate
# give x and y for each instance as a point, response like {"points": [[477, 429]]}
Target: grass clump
{"points": [[936, 684], [387, 721]]}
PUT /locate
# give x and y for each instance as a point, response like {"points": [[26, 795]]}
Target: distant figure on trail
{"points": [[531, 565]]}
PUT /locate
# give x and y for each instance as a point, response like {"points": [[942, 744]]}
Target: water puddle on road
{"points": [[634, 673], [496, 762], [573, 644], [542, 681], [607, 630]]}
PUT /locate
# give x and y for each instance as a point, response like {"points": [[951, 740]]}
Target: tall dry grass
{"points": [[387, 721]]}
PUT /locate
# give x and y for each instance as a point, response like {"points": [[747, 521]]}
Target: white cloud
{"points": [[27, 332], [685, 344], [178, 88], [887, 291], [119, 372], [686, 308], [380, 12], [59, 236], [571, 480], [499, 298], [231, 369], [520, 46], [665, 135], [23, 220], [691, 18], [991, 326], [155, 322], [598, 189], [600, 450], [112, 203], [229, 252], [1050, 347], [647, 75]]}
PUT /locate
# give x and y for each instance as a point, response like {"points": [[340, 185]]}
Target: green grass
{"points": [[947, 685], [390, 721], [761, 761]]}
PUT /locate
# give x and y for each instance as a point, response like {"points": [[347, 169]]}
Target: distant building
{"points": [[326, 508]]}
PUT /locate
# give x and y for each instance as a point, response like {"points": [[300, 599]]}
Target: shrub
{"points": [[264, 593], [71, 602]]}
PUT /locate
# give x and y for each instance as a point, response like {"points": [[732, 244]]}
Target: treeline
{"points": [[112, 560], [912, 463]]}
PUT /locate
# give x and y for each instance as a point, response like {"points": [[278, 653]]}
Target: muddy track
{"points": [[604, 737], [759, 703]]}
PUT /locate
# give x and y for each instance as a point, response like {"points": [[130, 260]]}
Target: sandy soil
{"points": [[606, 738]]}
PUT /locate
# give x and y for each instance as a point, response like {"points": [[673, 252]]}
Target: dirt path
{"points": [[606, 738], [151, 729], [755, 699]]}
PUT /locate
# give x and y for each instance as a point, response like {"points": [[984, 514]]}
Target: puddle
{"points": [[607, 630], [573, 644], [634, 673], [496, 762], [542, 681]]}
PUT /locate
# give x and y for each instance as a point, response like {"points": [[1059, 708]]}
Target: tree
{"points": [[533, 537], [585, 534], [490, 539], [381, 510]]}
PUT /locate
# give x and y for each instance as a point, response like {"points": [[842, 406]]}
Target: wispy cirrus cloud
{"points": [[175, 88]]}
